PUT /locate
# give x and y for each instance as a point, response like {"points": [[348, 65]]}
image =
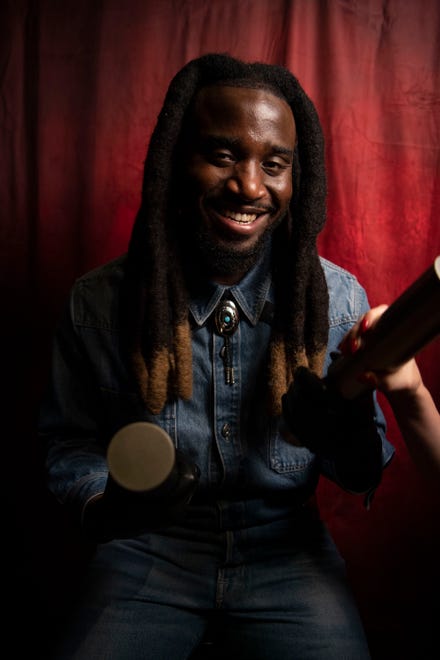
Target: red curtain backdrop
{"points": [[81, 86]]}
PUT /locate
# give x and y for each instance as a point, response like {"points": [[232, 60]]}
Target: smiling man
{"points": [[201, 329], [239, 171]]}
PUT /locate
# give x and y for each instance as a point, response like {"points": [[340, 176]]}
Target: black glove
{"points": [[338, 429], [121, 513]]}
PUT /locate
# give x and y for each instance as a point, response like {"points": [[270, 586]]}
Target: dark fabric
{"points": [[337, 429], [81, 86], [123, 513]]}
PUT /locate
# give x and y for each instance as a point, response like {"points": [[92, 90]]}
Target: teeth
{"points": [[244, 218]]}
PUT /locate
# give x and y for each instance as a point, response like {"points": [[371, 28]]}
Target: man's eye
{"points": [[274, 166], [221, 157]]}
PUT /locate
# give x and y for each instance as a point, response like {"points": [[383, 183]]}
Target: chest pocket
{"points": [[280, 462], [285, 458]]}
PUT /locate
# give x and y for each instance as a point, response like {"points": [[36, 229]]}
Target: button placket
{"points": [[227, 409]]}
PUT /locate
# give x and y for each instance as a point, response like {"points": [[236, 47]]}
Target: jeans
{"points": [[275, 592]]}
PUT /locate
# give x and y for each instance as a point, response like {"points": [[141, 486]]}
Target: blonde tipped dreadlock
{"points": [[155, 324]]}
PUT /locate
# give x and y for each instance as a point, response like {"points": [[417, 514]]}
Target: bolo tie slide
{"points": [[226, 323]]}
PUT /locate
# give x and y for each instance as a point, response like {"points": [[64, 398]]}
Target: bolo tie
{"points": [[226, 323]]}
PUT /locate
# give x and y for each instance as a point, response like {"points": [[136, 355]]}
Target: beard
{"points": [[228, 260]]}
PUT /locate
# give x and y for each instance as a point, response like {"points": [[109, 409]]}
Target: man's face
{"points": [[238, 163]]}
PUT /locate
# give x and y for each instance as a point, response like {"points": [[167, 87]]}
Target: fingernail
{"points": [[354, 344], [365, 324]]}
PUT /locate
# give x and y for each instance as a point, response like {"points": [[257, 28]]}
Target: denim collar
{"points": [[250, 294]]}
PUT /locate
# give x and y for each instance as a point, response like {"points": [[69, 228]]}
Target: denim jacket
{"points": [[247, 468]]}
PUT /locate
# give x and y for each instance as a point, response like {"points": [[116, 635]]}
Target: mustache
{"points": [[238, 205]]}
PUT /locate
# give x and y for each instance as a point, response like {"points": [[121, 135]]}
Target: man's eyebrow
{"points": [[213, 141], [283, 150]]}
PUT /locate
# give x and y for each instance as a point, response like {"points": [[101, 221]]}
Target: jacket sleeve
{"points": [[75, 454], [348, 301]]}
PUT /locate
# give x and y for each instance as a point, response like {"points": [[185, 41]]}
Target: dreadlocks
{"points": [[154, 309]]}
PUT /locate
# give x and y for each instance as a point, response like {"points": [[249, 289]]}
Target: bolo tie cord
{"points": [[226, 323]]}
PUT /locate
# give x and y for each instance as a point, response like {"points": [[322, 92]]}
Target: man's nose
{"points": [[247, 180]]}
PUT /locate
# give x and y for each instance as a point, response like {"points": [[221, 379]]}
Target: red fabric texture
{"points": [[81, 86]]}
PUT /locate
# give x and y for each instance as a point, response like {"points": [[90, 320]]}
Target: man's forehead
{"points": [[231, 90], [221, 103]]}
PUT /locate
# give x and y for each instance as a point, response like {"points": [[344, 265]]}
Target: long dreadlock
{"points": [[154, 309]]}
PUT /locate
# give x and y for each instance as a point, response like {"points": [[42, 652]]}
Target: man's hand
{"points": [[120, 513]]}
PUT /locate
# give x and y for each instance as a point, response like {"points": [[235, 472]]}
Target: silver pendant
{"points": [[226, 317], [226, 323]]}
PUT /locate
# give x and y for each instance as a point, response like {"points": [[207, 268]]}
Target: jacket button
{"points": [[226, 431]]}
